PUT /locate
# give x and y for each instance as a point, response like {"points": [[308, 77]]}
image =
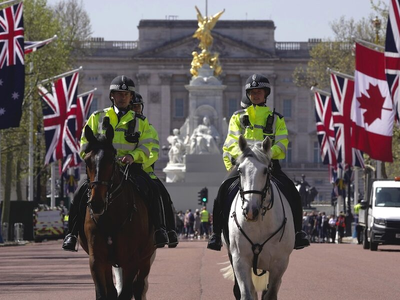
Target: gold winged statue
{"points": [[203, 34]]}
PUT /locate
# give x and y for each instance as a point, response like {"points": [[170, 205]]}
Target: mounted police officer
{"points": [[255, 122], [167, 205], [133, 144]]}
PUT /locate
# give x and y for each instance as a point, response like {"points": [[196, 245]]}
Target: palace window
{"points": [[179, 108], [287, 108]]}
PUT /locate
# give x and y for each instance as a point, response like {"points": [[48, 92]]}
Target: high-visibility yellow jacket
{"points": [[148, 166], [257, 116], [139, 151], [204, 216]]}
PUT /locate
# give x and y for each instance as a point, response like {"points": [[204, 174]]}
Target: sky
{"points": [[295, 20]]}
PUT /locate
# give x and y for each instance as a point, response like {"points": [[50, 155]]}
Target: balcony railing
{"points": [[100, 43]]}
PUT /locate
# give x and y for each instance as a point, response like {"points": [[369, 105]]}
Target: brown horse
{"points": [[117, 232]]}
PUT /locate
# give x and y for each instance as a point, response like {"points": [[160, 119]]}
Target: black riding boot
{"points": [[215, 242], [292, 195], [301, 239], [169, 213], [160, 234], [74, 220]]}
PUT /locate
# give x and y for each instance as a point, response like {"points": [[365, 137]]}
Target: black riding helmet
{"points": [[122, 84], [257, 81], [138, 99]]}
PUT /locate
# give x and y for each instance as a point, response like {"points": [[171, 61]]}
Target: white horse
{"points": [[261, 230]]}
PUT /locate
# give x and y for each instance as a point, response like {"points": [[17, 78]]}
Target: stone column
{"points": [[165, 107], [142, 82]]}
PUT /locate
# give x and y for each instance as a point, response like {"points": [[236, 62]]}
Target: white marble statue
{"points": [[205, 139], [177, 150]]}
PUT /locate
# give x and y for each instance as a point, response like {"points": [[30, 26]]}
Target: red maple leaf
{"points": [[373, 104]]}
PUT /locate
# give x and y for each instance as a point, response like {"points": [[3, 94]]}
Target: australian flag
{"points": [[12, 68], [59, 118]]}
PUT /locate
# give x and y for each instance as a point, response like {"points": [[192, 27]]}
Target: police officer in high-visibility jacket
{"points": [[255, 123], [132, 141], [167, 210]]}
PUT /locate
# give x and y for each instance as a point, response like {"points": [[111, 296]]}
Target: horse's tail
{"points": [[260, 282], [227, 271]]}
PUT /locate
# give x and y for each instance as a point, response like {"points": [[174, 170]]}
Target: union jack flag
{"points": [[59, 118], [30, 47], [392, 53], [83, 107], [325, 131], [12, 68], [342, 92]]}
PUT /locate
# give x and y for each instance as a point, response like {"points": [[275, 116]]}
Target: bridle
{"points": [[263, 192], [113, 190]]}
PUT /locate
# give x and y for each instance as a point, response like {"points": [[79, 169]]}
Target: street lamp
{"points": [[377, 25]]}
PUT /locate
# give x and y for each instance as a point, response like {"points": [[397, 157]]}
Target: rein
{"points": [[257, 248], [263, 194]]}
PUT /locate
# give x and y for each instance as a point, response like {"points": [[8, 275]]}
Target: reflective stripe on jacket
{"points": [[154, 153], [257, 116], [139, 151]]}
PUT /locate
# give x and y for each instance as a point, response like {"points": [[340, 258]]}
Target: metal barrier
{"points": [[18, 232], [4, 232]]}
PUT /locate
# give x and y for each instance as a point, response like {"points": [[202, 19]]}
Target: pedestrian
{"points": [[340, 226], [205, 222], [255, 123], [197, 224], [332, 228], [179, 223]]}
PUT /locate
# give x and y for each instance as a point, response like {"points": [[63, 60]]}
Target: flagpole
{"points": [[31, 172], [86, 93], [340, 74], [376, 46], [61, 75], [314, 89], [53, 185]]}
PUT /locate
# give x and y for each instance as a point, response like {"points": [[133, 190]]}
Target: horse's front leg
{"points": [[102, 278], [242, 269], [275, 278]]}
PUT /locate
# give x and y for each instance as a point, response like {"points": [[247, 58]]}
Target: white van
{"points": [[379, 215]]}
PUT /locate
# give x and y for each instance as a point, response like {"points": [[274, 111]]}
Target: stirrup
{"points": [[160, 238], [172, 239], [214, 243], [70, 243]]}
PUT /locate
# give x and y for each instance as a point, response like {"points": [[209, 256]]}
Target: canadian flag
{"points": [[372, 111]]}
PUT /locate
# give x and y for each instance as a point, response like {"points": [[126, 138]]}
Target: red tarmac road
{"points": [[43, 271]]}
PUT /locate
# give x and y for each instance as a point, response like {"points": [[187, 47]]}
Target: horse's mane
{"points": [[256, 150]]}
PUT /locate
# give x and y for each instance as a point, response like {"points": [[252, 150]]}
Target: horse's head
{"points": [[100, 163], [254, 170]]}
